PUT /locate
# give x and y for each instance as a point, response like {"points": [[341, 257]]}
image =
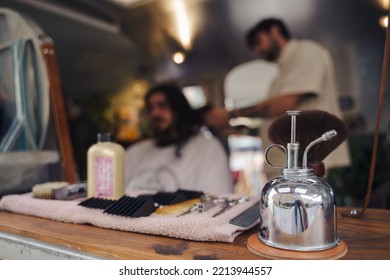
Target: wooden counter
{"points": [[367, 238]]}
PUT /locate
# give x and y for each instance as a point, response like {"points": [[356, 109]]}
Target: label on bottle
{"points": [[104, 177]]}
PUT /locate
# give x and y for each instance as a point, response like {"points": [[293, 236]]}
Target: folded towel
{"points": [[192, 226]]}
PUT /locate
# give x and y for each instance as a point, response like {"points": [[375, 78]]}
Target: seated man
{"points": [[179, 155]]}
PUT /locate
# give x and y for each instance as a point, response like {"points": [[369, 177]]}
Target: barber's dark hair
{"points": [[265, 26], [187, 121]]}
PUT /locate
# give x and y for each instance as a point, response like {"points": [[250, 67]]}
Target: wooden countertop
{"points": [[367, 238]]}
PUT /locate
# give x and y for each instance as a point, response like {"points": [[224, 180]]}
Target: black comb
{"points": [[97, 203], [132, 207]]}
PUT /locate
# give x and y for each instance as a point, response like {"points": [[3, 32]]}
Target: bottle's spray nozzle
{"points": [[324, 137], [293, 146]]}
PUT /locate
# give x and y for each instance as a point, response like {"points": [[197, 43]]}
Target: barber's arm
{"points": [[272, 107]]}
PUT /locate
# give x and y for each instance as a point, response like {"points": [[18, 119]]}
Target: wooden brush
{"points": [[310, 125], [45, 190]]}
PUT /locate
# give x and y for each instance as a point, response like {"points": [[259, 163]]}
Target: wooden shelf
{"points": [[367, 238]]}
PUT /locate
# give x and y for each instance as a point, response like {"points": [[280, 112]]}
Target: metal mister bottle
{"points": [[297, 208]]}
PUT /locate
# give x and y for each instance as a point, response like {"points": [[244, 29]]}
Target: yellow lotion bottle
{"points": [[106, 168]]}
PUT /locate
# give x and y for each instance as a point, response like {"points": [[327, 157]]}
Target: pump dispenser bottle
{"points": [[105, 168], [297, 208]]}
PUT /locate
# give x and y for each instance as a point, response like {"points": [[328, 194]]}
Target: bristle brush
{"points": [[310, 125]]}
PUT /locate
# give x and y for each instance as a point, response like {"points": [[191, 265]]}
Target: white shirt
{"points": [[305, 66], [202, 166]]}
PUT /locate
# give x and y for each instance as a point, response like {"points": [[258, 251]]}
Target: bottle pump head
{"points": [[293, 146]]}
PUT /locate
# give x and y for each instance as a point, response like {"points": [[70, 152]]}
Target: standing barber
{"points": [[306, 81]]}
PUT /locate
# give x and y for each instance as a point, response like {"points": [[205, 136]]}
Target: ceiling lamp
{"points": [[182, 23], [384, 21], [178, 57]]}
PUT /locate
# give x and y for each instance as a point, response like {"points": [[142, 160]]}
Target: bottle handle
{"points": [[266, 154]]}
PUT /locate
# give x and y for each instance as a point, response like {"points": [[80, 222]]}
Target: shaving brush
{"points": [[310, 125]]}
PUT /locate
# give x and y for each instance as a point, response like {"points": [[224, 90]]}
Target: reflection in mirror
{"points": [[22, 125], [7, 95], [24, 99]]}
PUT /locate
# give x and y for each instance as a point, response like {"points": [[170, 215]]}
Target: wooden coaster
{"points": [[259, 248]]}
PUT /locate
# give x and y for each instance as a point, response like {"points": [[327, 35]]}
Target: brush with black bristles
{"points": [[310, 125]]}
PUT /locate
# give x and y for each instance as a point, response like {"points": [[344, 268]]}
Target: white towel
{"points": [[192, 226]]}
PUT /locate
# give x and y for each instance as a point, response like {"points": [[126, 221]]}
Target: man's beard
{"points": [[273, 53], [163, 137]]}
